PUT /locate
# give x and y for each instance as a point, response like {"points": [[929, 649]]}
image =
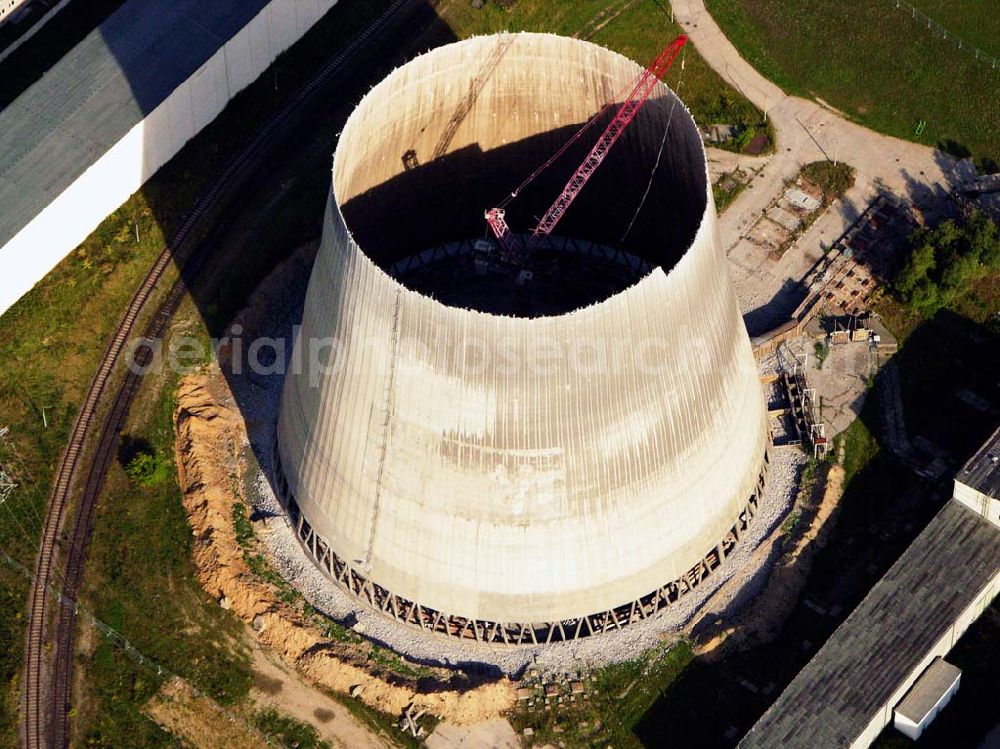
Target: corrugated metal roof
{"points": [[854, 674], [932, 685], [102, 88]]}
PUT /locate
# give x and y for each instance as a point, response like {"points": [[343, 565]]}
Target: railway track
{"points": [[48, 684]]}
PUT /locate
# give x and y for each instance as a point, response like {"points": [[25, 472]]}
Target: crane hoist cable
{"points": [[659, 155]]}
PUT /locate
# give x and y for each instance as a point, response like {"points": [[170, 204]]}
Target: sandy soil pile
{"points": [[210, 436], [771, 609]]}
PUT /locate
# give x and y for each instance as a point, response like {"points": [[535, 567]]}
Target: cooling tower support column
{"points": [[436, 622]]}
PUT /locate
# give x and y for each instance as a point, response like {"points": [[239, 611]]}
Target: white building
{"points": [[928, 697], [117, 107], [977, 485]]}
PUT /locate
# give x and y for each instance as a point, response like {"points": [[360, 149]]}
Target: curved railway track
{"points": [[47, 684]]}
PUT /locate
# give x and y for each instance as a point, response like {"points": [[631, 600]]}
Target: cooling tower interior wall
{"points": [[517, 105]]}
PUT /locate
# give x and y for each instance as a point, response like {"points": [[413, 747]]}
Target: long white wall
{"points": [[101, 189], [983, 505]]}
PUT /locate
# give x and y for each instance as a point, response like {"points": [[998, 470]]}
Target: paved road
{"points": [[806, 131]]}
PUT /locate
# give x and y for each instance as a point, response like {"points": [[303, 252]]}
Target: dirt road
{"points": [[807, 131]]}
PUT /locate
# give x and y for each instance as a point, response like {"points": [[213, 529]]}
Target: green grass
{"points": [[288, 732], [608, 717], [639, 30], [860, 448], [389, 661], [141, 581], [791, 523], [332, 630], [821, 349], [877, 65], [46, 361], [13, 592], [967, 20]]}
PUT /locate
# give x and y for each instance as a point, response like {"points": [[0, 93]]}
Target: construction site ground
{"points": [[842, 375], [869, 535], [209, 409], [271, 313], [202, 725], [278, 686]]}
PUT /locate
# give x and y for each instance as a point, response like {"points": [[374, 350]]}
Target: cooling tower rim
{"points": [[657, 275]]}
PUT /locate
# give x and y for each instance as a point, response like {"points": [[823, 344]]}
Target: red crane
{"points": [[640, 92]]}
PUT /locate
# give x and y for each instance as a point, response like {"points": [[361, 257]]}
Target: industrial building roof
{"points": [[932, 685], [855, 673], [102, 88], [982, 472]]}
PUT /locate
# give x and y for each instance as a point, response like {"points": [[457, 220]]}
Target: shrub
{"points": [[146, 469], [287, 731], [833, 179], [743, 136]]}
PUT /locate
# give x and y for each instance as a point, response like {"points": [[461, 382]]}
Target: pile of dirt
{"points": [[763, 621], [210, 436]]}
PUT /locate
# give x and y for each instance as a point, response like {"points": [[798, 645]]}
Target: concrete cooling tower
{"points": [[530, 451]]}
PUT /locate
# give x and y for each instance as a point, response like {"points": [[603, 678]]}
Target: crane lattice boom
{"points": [[638, 96], [495, 218]]}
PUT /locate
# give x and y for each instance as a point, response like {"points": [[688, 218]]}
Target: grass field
{"points": [[639, 30], [140, 581], [970, 20], [876, 64]]}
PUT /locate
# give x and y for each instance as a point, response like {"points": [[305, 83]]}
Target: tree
{"points": [[917, 269], [984, 237], [947, 260]]}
